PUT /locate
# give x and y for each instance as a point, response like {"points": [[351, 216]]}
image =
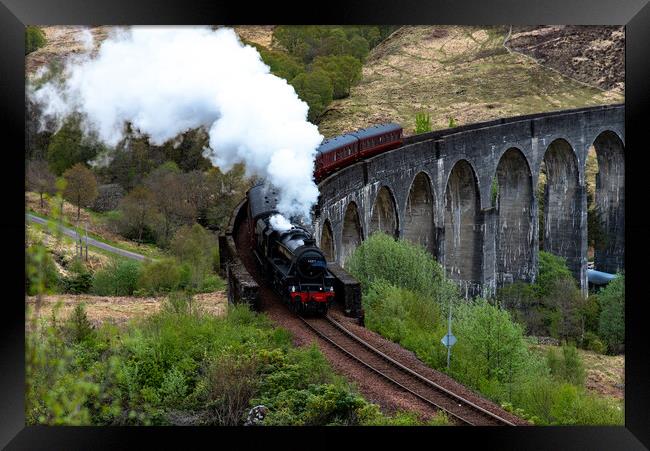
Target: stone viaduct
{"points": [[469, 195]]}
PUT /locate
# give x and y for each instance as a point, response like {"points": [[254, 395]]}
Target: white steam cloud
{"points": [[167, 80], [280, 223]]}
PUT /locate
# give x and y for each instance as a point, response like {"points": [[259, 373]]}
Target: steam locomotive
{"points": [[341, 151], [289, 257]]}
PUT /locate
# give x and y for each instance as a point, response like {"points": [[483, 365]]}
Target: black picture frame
{"points": [[15, 14]]}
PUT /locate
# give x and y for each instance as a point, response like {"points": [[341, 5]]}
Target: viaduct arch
{"points": [[468, 195]]}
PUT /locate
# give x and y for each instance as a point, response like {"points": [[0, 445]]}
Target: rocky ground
{"points": [[593, 55]]}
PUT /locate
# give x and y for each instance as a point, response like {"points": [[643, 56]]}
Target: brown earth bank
{"points": [[592, 54], [118, 310]]}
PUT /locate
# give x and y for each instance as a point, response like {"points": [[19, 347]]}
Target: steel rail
{"points": [[380, 373], [412, 373]]}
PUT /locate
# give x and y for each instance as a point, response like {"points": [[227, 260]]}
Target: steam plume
{"points": [[167, 80]]}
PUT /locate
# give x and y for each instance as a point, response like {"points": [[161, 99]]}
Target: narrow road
{"points": [[91, 242]]}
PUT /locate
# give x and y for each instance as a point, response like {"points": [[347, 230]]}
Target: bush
{"points": [[79, 280], [422, 123], [548, 402], [159, 276], [230, 382], [592, 342], [400, 263], [611, 323], [119, 278]]}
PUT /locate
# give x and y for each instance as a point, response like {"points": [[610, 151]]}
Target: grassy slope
{"points": [[97, 226], [452, 71], [604, 374]]}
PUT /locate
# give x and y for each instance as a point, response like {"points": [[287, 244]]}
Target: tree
{"points": [[490, 345], [34, 39], [359, 47], [551, 268], [343, 71], [316, 89], [611, 323], [40, 179], [187, 150], [281, 64], [197, 247], [68, 147], [566, 303], [170, 194], [138, 210], [224, 191], [81, 186]]}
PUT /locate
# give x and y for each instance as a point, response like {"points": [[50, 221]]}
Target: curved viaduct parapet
{"points": [[484, 146]]}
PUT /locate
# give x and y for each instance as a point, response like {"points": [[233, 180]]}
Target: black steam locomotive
{"points": [[288, 256]]}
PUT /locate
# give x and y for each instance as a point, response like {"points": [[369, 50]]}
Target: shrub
{"points": [[422, 123], [230, 382], [119, 278], [550, 402], [611, 324], [80, 280], [592, 342], [159, 276], [400, 263]]}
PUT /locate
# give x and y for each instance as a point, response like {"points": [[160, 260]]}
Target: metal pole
{"points": [[86, 241], [449, 336]]}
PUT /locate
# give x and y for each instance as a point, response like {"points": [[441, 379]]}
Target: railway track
{"points": [[438, 397]]}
